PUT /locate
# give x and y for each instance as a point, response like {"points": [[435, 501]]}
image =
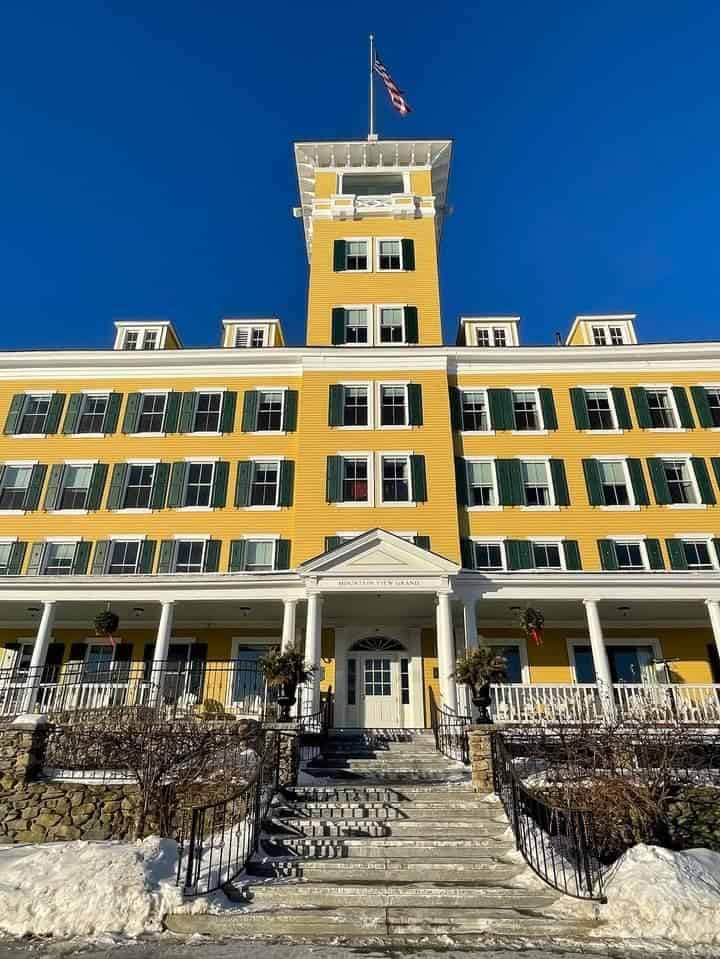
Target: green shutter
{"points": [[167, 551], [637, 480], [112, 412], [132, 413], [227, 417], [37, 551], [287, 474], [572, 555], [461, 481], [642, 410], [117, 486], [519, 553], [160, 485], [177, 485], [702, 407], [237, 556], [501, 409], [100, 557], [339, 259], [282, 554], [683, 407], [52, 421], [97, 485], [467, 553], [250, 409], [336, 405], [509, 478], [608, 554], [37, 478], [220, 484], [332, 542], [622, 410], [172, 412], [52, 494], [333, 486], [188, 405], [547, 405], [578, 401], [702, 478], [415, 407], [73, 413], [147, 555], [15, 560], [408, 254], [338, 326], [676, 553], [14, 413], [291, 407], [82, 558], [655, 557], [456, 408], [419, 479], [243, 483], [211, 563], [557, 471], [591, 469], [412, 329], [659, 482], [422, 542]]}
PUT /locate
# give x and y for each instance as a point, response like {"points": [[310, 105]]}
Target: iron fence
{"points": [[450, 731]]}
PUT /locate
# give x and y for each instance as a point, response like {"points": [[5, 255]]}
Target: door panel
{"points": [[380, 688]]}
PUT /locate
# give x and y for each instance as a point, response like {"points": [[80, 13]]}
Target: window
{"points": [[377, 677], [391, 324], [356, 326], [713, 398], [599, 410], [355, 406], [499, 337], [92, 414], [130, 342], [257, 338], [680, 482], [199, 483], [525, 410], [547, 555], [138, 489], [355, 480], [389, 255], [395, 479], [150, 340], [372, 184], [75, 484], [616, 335], [613, 481], [152, 413], [697, 554], [481, 483], [5, 552], [264, 487], [535, 483], [270, 411], [189, 556], [662, 414], [124, 556], [15, 482], [356, 254], [483, 337], [58, 559], [207, 413], [488, 556], [630, 555], [599, 336], [259, 555], [34, 415], [242, 337], [474, 411], [252, 337], [393, 406]]}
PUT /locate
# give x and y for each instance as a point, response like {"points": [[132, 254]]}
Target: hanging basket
{"points": [[533, 623], [106, 623]]}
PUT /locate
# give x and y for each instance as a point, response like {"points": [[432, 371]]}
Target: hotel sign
{"points": [[393, 584]]}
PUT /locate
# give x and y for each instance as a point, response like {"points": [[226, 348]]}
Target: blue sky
{"points": [[146, 164]]}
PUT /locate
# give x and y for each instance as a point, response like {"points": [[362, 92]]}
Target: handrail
{"points": [[450, 732]]}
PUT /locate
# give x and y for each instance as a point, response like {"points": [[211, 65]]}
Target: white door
{"points": [[380, 691]]}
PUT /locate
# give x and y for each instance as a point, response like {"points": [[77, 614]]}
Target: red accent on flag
{"points": [[397, 97]]}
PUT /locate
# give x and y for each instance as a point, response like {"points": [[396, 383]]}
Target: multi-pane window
{"points": [[124, 555], [150, 340], [355, 480], [391, 324], [395, 479], [355, 406], [662, 414], [15, 480], [525, 410], [377, 677], [130, 342], [499, 337], [270, 410], [599, 336], [5, 551], [535, 483], [356, 325], [356, 254], [75, 484], [614, 483], [92, 414], [481, 483], [198, 485], [488, 556], [483, 337], [207, 413], [629, 555], [152, 413], [680, 485], [98, 663], [616, 335], [393, 406], [34, 415], [599, 410], [257, 338], [389, 255], [259, 555], [264, 487], [58, 559], [713, 398], [189, 555], [547, 555], [697, 554], [138, 489], [474, 411]]}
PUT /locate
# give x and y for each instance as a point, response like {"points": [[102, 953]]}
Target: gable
{"points": [[379, 553]]}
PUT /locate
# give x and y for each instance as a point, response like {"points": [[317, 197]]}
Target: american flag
{"points": [[397, 98]]}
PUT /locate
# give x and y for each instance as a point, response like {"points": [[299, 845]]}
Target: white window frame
{"points": [[221, 390], [369, 458], [475, 389], [114, 538], [405, 174], [370, 317], [203, 538], [105, 394], [714, 388], [36, 394], [139, 510], [368, 386], [706, 538], [388, 239], [379, 386], [558, 541], [490, 541], [263, 538], [8, 541], [687, 459], [605, 326], [198, 461], [75, 464], [496, 506], [271, 389], [144, 393], [616, 430], [666, 388], [392, 454], [16, 464], [266, 459], [634, 538], [552, 505], [368, 241], [250, 328], [542, 430], [141, 330], [58, 541], [379, 307], [632, 503]]}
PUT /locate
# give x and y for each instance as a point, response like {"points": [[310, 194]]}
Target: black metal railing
{"points": [[450, 731], [557, 842]]}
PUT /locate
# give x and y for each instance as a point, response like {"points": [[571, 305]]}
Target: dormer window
{"points": [[488, 331], [246, 336], [483, 337], [257, 338], [608, 335], [499, 337], [150, 340], [143, 335], [131, 339]]}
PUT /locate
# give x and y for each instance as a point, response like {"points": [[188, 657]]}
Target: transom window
{"points": [[474, 411], [152, 413], [356, 326], [488, 556], [270, 411], [356, 254], [34, 415], [536, 483], [391, 325], [393, 406], [264, 487], [207, 413], [547, 555], [679, 481], [481, 482], [76, 481], [138, 489], [713, 398], [15, 481], [697, 554], [92, 414], [599, 410], [355, 480], [389, 255], [198, 486], [189, 555], [662, 414], [630, 555], [5, 551], [124, 556], [259, 555], [355, 406], [395, 479], [58, 559], [525, 410], [614, 483]]}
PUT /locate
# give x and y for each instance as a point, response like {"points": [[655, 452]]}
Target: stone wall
{"points": [[481, 760]]}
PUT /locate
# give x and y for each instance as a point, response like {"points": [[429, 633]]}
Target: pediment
{"points": [[378, 552]]}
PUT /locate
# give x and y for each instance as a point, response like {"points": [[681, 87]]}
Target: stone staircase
{"points": [[391, 843]]}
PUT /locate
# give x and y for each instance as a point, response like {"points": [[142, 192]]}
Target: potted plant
{"points": [[477, 670], [287, 670], [533, 623], [106, 624]]}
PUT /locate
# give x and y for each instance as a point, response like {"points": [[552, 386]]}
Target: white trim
{"points": [[369, 255], [390, 454], [370, 393], [475, 389], [632, 504], [552, 505], [496, 506], [379, 387], [191, 536], [491, 541], [379, 307], [388, 239], [369, 457], [127, 537]]}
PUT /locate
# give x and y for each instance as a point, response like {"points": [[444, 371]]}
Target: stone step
{"points": [[400, 828], [391, 848], [410, 776], [359, 792], [472, 872], [381, 765], [404, 811]]}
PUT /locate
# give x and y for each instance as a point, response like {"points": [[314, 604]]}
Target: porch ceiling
{"points": [[613, 613]]}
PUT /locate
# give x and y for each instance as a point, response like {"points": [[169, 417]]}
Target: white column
{"points": [[162, 645], [313, 647], [713, 608], [446, 652], [288, 625], [470, 619], [601, 662], [39, 655]]}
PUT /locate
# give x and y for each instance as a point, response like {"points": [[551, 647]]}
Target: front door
{"points": [[380, 691]]}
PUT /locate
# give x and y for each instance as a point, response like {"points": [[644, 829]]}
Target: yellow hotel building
{"points": [[376, 496]]}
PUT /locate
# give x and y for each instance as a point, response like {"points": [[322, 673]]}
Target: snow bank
{"points": [[68, 889]]}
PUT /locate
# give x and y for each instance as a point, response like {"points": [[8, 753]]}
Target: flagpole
{"points": [[372, 135]]}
